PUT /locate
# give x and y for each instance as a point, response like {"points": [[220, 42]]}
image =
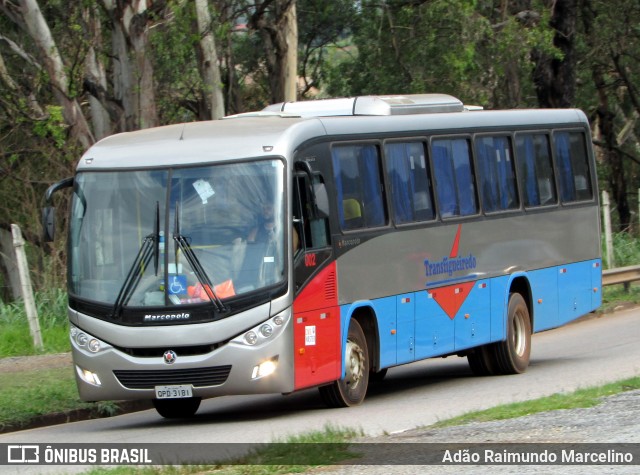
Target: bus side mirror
{"points": [[48, 224], [49, 212]]}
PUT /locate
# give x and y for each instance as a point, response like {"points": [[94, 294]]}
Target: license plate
{"points": [[173, 392]]}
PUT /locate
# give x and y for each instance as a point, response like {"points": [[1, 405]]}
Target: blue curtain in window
{"points": [[531, 186], [338, 180], [504, 189], [563, 155], [487, 174], [402, 181], [445, 182], [373, 206], [464, 177]]}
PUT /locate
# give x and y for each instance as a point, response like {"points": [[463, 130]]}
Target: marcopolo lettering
{"points": [[449, 265], [167, 317]]}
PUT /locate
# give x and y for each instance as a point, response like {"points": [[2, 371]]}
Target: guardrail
{"points": [[621, 275]]}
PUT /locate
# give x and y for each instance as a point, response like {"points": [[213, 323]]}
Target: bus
{"points": [[316, 244]]}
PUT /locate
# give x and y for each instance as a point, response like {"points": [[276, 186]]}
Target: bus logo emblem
{"points": [[170, 356]]}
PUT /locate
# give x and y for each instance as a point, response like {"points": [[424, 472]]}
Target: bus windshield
{"points": [[173, 237]]}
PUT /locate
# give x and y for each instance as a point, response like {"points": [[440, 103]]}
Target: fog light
{"points": [[88, 376], [265, 369]]}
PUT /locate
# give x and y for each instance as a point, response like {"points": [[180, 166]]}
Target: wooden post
{"points": [[608, 238], [27, 291]]}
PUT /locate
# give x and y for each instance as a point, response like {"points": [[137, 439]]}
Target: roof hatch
{"points": [[371, 105]]}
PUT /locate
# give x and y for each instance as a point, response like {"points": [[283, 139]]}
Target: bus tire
{"points": [[177, 408], [481, 361], [351, 390], [377, 376], [512, 355]]}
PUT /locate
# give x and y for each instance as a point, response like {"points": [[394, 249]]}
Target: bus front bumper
{"points": [[233, 368]]}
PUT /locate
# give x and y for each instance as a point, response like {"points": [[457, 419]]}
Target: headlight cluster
{"points": [[85, 341], [265, 331]]}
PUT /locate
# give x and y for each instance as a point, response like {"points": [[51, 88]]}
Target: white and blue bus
{"points": [[316, 244]]}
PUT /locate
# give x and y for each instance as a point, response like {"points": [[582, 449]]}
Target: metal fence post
{"points": [[608, 237]]}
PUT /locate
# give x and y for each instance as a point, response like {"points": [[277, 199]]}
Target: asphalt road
{"points": [[591, 352]]}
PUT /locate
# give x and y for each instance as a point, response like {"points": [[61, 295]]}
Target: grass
{"points": [[582, 398], [15, 338], [328, 447], [36, 393], [43, 392], [615, 296]]}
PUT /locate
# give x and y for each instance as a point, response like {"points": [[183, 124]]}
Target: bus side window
{"points": [[409, 182], [359, 186], [535, 170], [453, 172], [311, 232], [573, 166], [496, 172]]}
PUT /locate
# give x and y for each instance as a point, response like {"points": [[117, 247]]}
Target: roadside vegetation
{"points": [[15, 339], [330, 446]]}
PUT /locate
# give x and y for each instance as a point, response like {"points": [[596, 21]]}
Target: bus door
{"points": [[317, 340]]}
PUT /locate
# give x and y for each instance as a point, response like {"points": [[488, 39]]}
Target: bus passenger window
{"points": [[359, 186], [535, 170], [573, 166], [496, 171], [409, 182], [453, 171]]}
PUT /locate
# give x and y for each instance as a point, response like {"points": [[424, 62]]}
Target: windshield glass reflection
{"points": [[219, 234]]}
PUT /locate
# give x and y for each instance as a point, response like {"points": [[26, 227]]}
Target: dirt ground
{"points": [[17, 364]]}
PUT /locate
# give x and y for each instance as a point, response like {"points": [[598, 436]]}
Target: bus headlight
{"points": [[251, 338], [85, 341], [265, 331]]}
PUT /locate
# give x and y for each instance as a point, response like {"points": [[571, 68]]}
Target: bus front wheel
{"points": [[512, 355], [351, 390], [177, 408]]}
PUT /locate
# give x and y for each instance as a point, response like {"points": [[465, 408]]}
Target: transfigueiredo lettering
{"points": [[448, 265]]}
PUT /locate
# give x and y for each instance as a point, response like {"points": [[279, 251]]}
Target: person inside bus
{"points": [[265, 227]]}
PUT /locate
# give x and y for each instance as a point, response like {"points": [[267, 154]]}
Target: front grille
{"points": [[148, 379]]}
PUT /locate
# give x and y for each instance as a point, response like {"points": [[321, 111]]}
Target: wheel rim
{"points": [[354, 364], [519, 339]]}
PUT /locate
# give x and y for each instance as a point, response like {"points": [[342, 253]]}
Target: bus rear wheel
{"points": [[481, 361], [351, 390], [512, 355], [177, 408]]}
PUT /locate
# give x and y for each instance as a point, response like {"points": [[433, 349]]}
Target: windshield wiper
{"points": [[150, 248], [182, 244]]}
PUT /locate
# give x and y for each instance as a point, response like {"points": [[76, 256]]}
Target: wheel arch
{"points": [[365, 314], [520, 284]]}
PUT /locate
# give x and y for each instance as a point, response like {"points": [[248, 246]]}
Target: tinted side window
{"points": [[409, 182], [359, 186], [453, 172], [573, 166], [496, 172], [535, 170]]}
